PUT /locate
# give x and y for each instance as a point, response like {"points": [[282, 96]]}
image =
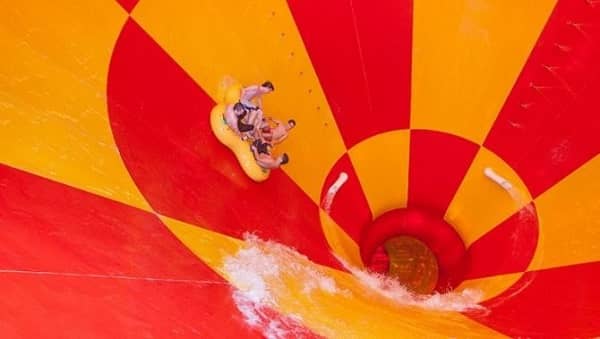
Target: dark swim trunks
{"points": [[242, 127], [261, 147], [249, 108]]}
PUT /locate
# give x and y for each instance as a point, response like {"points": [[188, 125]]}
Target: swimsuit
{"points": [[261, 147], [249, 107], [242, 127]]}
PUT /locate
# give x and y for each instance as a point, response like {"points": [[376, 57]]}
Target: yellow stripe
{"points": [[210, 246], [252, 42], [480, 204], [466, 58], [490, 286], [339, 241], [569, 223], [355, 313], [54, 121], [381, 164]]}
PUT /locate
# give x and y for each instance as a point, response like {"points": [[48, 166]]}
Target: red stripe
{"points": [[350, 209], [549, 125], [51, 227], [68, 307], [362, 55], [508, 248], [438, 163], [128, 5], [160, 120], [557, 303]]}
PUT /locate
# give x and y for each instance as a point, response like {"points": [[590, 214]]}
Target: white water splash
{"points": [[263, 273], [260, 266], [259, 271], [273, 326], [395, 292]]}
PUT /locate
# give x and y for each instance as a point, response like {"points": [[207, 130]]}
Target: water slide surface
{"points": [[122, 216]]}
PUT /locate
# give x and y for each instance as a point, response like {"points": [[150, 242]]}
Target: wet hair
{"points": [[292, 122], [268, 85], [239, 107], [284, 159]]}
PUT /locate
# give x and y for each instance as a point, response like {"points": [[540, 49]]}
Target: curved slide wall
{"points": [[118, 205]]}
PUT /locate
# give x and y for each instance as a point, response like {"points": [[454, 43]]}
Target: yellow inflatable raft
{"points": [[229, 138]]}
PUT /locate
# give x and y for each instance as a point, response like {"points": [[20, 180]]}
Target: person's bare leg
{"points": [[251, 117], [255, 118]]}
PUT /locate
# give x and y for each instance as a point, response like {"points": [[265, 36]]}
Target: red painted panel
{"points": [[380, 261], [438, 163], [549, 125], [72, 308], [350, 208], [81, 240], [160, 120], [508, 248], [556, 303], [128, 5], [362, 55], [52, 227]]}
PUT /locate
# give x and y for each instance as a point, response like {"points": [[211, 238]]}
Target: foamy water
{"points": [[272, 325], [268, 275], [394, 291], [262, 272]]}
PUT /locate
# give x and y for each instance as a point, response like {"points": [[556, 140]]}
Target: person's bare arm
{"points": [[268, 164], [248, 93], [264, 163], [281, 138], [257, 116]]}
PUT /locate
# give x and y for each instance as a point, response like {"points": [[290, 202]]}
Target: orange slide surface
{"points": [[122, 216]]}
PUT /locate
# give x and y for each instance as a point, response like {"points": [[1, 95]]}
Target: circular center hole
{"points": [[412, 263]]}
